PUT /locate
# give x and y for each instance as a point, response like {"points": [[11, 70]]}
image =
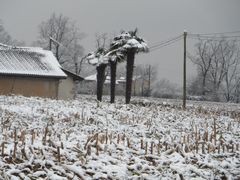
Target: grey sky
{"points": [[157, 20]]}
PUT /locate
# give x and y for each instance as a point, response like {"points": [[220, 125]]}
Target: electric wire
{"points": [[166, 41], [212, 37], [164, 45], [218, 33], [236, 39]]}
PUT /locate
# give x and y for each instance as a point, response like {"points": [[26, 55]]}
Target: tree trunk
{"points": [[130, 64], [149, 81], [204, 86], [100, 80], [113, 66]]}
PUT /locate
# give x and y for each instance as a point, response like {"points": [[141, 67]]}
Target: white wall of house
{"points": [[66, 89]]}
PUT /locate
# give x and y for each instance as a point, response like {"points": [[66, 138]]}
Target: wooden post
{"points": [[50, 44], [146, 148], [141, 143], [166, 146], [58, 154], [3, 146], [57, 47], [128, 142], [152, 144], [45, 135], [208, 148], [15, 135], [97, 148], [106, 136], [15, 149], [196, 146], [158, 148], [118, 138], [184, 71], [33, 136], [215, 131]]}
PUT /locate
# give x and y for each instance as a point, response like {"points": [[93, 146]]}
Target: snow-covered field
{"points": [[148, 139]]}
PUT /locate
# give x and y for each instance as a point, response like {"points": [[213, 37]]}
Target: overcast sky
{"points": [[157, 20]]}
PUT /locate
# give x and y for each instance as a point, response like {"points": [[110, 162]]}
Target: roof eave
{"points": [[73, 75], [32, 75]]}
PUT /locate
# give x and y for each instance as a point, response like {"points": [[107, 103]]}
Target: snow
{"points": [[118, 48], [133, 43], [126, 41], [92, 77], [103, 140], [96, 58], [32, 61]]}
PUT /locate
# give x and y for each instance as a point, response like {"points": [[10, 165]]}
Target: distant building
{"points": [[89, 85], [137, 86], [67, 87], [34, 72]]}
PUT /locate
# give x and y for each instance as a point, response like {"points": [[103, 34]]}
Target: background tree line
{"points": [[217, 62], [218, 70]]}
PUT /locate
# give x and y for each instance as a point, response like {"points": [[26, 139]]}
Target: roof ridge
{"points": [[19, 47]]}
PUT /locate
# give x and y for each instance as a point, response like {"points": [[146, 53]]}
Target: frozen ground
{"points": [[148, 139]]}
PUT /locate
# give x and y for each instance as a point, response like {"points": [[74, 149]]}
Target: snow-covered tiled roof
{"points": [[29, 61], [94, 78]]}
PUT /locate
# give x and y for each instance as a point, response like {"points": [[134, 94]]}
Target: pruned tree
{"points": [[63, 30], [116, 56], [99, 60], [103, 57], [130, 44]]}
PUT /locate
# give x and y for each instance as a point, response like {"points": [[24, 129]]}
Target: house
{"points": [[31, 71], [67, 87], [137, 86], [89, 85]]}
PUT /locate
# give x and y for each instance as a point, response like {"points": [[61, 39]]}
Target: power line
{"points": [[166, 41], [165, 44], [219, 33], [212, 37]]}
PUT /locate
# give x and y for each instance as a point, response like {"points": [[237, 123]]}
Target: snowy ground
{"points": [[148, 139]]}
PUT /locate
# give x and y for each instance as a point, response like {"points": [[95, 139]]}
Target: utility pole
{"points": [[57, 46], [50, 44], [184, 71], [56, 43]]}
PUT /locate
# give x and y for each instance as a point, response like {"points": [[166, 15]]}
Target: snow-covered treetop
{"points": [[98, 57], [102, 56], [118, 49], [116, 55], [129, 40]]}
